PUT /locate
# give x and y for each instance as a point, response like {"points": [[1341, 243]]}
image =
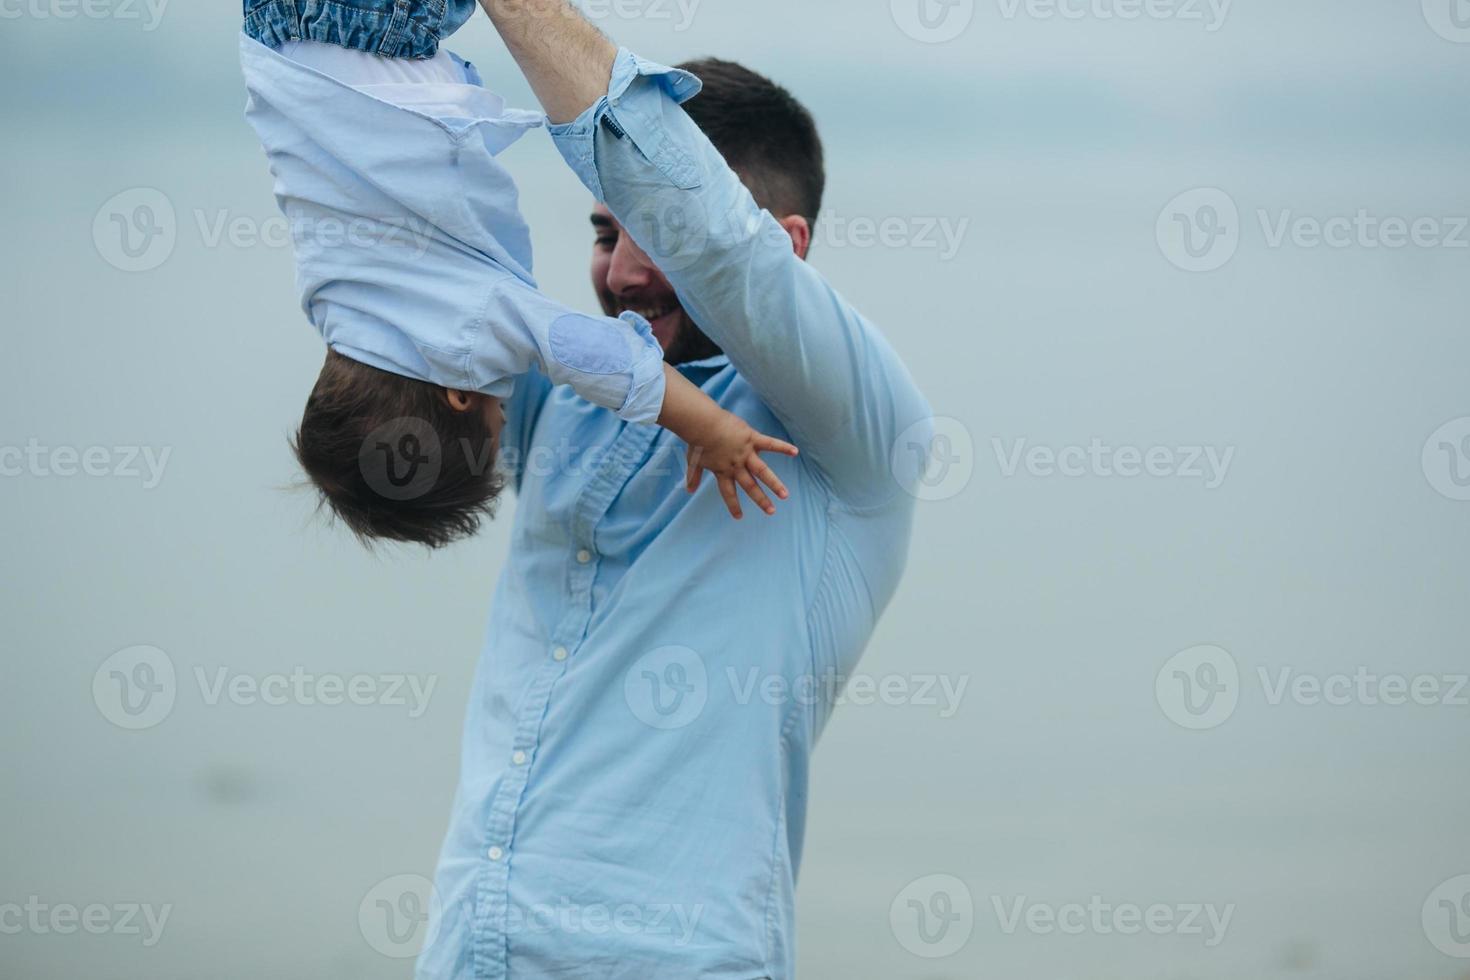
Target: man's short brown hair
{"points": [[764, 134], [392, 459]]}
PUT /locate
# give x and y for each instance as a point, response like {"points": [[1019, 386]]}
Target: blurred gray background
{"points": [[1131, 266]]}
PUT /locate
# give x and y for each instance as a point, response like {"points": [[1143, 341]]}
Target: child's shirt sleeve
{"points": [[411, 252]]}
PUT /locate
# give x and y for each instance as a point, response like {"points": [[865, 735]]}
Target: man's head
{"points": [[766, 137], [397, 459]]}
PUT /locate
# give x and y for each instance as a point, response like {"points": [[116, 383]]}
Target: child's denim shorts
{"points": [[392, 28]]}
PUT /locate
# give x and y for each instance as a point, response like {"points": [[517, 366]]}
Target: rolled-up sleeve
{"points": [[824, 370], [617, 364]]}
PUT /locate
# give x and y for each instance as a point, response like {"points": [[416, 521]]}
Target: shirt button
{"points": [[519, 758], [584, 556], [560, 653], [495, 853]]}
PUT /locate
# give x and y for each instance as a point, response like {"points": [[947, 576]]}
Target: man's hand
{"points": [[722, 443], [733, 456]]}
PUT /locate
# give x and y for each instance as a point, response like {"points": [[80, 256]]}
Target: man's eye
{"points": [[607, 241]]}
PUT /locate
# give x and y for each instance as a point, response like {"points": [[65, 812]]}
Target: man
{"points": [[633, 784]]}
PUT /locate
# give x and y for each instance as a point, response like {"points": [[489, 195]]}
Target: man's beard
{"points": [[689, 344]]}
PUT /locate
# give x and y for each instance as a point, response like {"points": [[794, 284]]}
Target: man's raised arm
{"points": [[826, 373]]}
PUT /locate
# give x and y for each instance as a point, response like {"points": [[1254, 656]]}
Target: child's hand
{"points": [[731, 451]]}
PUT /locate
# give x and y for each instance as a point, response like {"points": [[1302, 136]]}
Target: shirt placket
{"points": [[612, 473]]}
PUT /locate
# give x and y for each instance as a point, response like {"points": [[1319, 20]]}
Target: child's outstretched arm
{"points": [[722, 443]]}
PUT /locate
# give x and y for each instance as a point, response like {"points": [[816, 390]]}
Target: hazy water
{"points": [[1048, 148]]}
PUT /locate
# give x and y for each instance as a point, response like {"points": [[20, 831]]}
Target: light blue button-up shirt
{"points": [[411, 252], [633, 780]]}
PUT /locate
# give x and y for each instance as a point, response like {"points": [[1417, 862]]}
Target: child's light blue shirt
{"points": [[411, 252]]}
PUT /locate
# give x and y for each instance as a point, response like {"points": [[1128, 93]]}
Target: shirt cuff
{"points": [[646, 391], [631, 109]]}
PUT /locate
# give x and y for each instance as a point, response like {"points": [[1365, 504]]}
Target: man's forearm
{"points": [[567, 61]]}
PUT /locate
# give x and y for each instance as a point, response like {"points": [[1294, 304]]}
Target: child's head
{"points": [[398, 459]]}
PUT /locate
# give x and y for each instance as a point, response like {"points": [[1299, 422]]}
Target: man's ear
{"points": [[800, 231], [460, 401]]}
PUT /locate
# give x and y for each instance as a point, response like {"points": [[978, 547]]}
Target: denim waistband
{"points": [[392, 28]]}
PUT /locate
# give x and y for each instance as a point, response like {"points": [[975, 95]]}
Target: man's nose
{"points": [[630, 270]]}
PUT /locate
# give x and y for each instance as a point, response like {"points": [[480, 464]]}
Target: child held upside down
{"points": [[414, 263]]}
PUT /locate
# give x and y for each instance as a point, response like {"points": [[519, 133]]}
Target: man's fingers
{"points": [[769, 444], [732, 499], [754, 492]]}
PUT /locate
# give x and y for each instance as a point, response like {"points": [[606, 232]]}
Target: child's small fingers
{"points": [[732, 499], [768, 476], [755, 493], [769, 444], [692, 473]]}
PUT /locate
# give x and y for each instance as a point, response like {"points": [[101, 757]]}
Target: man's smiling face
{"points": [[625, 278]]}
